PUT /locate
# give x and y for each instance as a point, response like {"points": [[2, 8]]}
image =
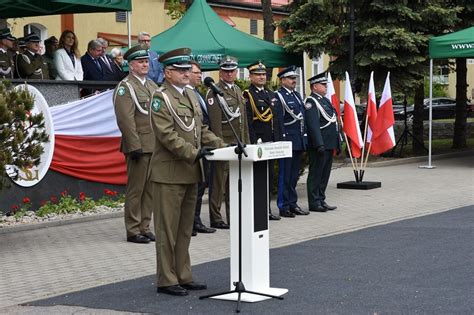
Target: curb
{"points": [[42, 225]]}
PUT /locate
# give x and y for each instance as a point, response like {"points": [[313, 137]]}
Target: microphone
{"points": [[209, 82]]}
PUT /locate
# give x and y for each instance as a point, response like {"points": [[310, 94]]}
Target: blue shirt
{"points": [[156, 69]]}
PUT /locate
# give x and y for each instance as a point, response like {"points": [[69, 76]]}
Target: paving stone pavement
{"points": [[45, 262]]}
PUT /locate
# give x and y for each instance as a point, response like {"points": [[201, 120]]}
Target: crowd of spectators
{"points": [[26, 58]]}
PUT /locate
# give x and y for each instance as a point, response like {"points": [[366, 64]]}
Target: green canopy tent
{"points": [[210, 38], [24, 8], [459, 44]]}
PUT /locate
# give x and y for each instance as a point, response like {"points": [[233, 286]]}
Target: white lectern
{"points": [[255, 205]]}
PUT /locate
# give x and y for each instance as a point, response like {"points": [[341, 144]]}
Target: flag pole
{"points": [[363, 148]]}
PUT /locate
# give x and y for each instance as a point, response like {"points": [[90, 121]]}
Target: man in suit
{"points": [[262, 117], [290, 105], [30, 64], [323, 140], [132, 98], [234, 106], [6, 63], [195, 77], [111, 72], [91, 65], [181, 141], [156, 68]]}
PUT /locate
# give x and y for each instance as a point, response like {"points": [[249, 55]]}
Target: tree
{"points": [[21, 132], [389, 36]]}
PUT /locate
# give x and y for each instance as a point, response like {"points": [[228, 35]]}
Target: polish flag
{"points": [[331, 95], [383, 137], [351, 122], [371, 108], [87, 140]]}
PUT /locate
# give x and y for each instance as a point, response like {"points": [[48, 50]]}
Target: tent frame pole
{"points": [[429, 166], [129, 28]]}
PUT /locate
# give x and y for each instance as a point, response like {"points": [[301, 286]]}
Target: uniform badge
{"points": [[308, 105], [210, 101], [121, 91], [156, 104]]}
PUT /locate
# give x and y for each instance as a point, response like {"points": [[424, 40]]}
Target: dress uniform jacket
{"points": [[320, 130], [264, 101], [218, 123], [32, 66], [132, 104], [177, 122], [292, 118], [6, 65]]}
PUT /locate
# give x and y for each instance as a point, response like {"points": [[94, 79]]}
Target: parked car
{"points": [[443, 107], [360, 109]]}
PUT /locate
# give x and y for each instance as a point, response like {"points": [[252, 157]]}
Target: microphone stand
{"points": [[239, 285]]}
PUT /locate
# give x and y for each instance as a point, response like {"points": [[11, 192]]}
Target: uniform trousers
{"points": [[318, 176], [219, 191], [288, 174], [138, 198], [173, 219], [200, 192]]}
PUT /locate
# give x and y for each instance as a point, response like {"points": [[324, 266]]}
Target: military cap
{"points": [[288, 72], [319, 78], [136, 52], [257, 67], [51, 40], [21, 42], [177, 58], [228, 63], [6, 34], [32, 38]]}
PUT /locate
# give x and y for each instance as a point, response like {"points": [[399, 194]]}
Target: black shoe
{"points": [[194, 233], [173, 290], [286, 214], [298, 211], [149, 236], [325, 205], [220, 225], [140, 239], [194, 286], [203, 229], [318, 209], [273, 217]]}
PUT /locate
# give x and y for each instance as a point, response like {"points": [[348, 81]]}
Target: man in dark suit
{"points": [[91, 64], [262, 116], [291, 107], [195, 77], [323, 140], [111, 72]]}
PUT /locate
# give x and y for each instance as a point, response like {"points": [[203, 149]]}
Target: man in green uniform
{"points": [[30, 64], [234, 107], [132, 99], [323, 140], [6, 62], [176, 168]]}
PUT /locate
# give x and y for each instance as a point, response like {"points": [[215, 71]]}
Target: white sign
{"points": [[28, 177]]}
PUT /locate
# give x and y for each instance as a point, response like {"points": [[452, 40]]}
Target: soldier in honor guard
{"points": [[292, 123], [323, 140], [262, 117], [132, 99], [181, 141], [30, 64], [234, 107], [6, 63]]}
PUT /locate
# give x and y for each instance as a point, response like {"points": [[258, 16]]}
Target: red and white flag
{"points": [[351, 122], [383, 137], [87, 140], [331, 95], [371, 108]]}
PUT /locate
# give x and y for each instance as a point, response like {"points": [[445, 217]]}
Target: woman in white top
{"points": [[67, 58]]}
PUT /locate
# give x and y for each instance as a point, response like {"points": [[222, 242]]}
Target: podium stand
{"points": [[255, 205]]}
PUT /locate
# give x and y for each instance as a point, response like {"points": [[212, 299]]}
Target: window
{"points": [[253, 27], [242, 74], [121, 17], [299, 82], [317, 66], [441, 75]]}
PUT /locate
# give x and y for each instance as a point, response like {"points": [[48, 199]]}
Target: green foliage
{"points": [[21, 132], [439, 90], [176, 10]]}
